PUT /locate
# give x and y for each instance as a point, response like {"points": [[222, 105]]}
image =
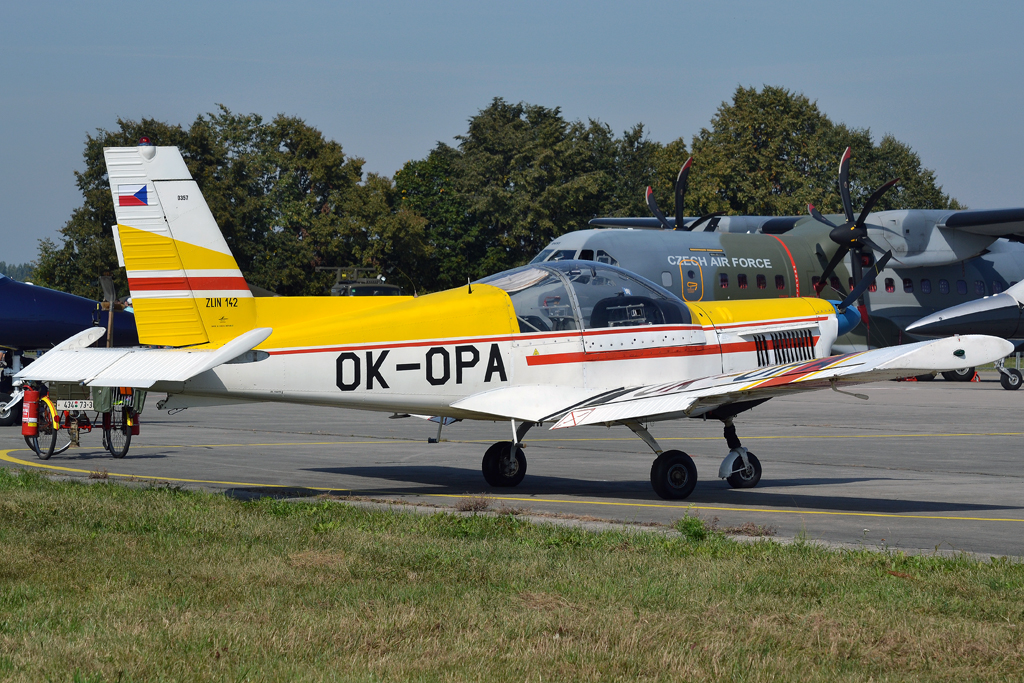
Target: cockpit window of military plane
{"points": [[549, 255]]}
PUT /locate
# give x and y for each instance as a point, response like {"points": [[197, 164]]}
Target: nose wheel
{"points": [[503, 468]]}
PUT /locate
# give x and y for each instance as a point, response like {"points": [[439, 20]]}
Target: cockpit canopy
{"points": [[577, 295]]}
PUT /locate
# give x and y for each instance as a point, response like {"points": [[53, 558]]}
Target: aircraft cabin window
{"points": [[979, 287], [908, 285], [943, 286], [996, 287], [604, 257], [762, 282], [586, 255], [873, 287], [666, 279], [815, 280], [961, 286], [741, 281], [834, 282], [539, 298], [890, 285], [609, 298], [780, 282], [926, 286], [851, 284], [542, 256], [723, 280], [563, 255]]}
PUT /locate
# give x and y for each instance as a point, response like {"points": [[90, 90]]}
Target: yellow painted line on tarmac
{"points": [[5, 455], [735, 509]]}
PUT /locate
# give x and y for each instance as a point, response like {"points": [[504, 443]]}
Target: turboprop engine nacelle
{"points": [[917, 240]]}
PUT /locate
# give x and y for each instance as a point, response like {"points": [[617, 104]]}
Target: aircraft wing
{"points": [[73, 362], [691, 398], [991, 222]]}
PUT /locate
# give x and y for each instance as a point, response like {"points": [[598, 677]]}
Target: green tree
{"points": [[19, 271], [772, 152], [286, 199]]}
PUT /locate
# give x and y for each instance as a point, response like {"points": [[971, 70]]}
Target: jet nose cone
{"points": [[998, 315]]}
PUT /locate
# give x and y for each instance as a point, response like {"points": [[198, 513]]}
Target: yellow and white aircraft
{"points": [[570, 343]]}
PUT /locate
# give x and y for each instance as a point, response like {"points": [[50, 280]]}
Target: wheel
{"points": [[1011, 380], [746, 477], [926, 378], [673, 475], [12, 415], [118, 436], [502, 470], [49, 438], [962, 375]]}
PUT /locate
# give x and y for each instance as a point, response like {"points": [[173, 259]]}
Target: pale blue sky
{"points": [[389, 79]]}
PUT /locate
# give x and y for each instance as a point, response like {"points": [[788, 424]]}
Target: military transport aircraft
{"points": [[34, 318], [567, 344], [940, 258]]}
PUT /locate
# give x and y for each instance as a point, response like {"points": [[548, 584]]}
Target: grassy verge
{"points": [[104, 582]]}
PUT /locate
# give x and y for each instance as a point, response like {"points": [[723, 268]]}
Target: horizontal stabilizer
{"points": [[692, 398], [134, 367]]}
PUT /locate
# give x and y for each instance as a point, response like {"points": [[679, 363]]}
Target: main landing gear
{"points": [[673, 474], [504, 463]]}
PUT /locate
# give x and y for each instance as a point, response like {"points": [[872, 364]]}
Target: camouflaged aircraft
{"points": [[940, 258], [566, 344]]}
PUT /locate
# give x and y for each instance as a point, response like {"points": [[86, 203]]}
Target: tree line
{"points": [[288, 200]]}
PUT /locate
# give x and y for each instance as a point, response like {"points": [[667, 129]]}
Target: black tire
{"points": [[500, 469], [962, 375], [49, 438], [12, 415], [673, 475], [118, 438], [1010, 381], [926, 378], [746, 478]]}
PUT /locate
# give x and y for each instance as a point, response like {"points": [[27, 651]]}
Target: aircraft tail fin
{"points": [[185, 285]]}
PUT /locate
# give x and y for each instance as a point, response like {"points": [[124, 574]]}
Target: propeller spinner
{"points": [[853, 234]]}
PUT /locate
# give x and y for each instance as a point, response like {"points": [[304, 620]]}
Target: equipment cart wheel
{"points": [[50, 438], [673, 475], [1011, 380], [118, 436], [500, 468], [746, 477]]}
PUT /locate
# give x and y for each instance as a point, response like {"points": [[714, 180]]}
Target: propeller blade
{"points": [[702, 219], [844, 184], [865, 283], [682, 182], [818, 217], [868, 242], [874, 198], [653, 206], [830, 268], [713, 224]]}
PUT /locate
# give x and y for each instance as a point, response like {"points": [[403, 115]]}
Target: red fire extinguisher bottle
{"points": [[30, 412]]}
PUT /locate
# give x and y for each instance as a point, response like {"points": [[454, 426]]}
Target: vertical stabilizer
{"points": [[186, 286]]}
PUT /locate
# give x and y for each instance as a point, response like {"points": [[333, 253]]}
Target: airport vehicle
{"points": [[34, 319], [1000, 315], [940, 258], [567, 344]]}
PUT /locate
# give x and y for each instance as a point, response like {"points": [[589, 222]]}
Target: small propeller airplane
{"points": [[564, 344]]}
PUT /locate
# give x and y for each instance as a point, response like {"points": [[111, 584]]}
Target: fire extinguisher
{"points": [[30, 412]]}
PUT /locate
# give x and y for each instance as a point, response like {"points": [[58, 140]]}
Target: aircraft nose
{"points": [[998, 315], [848, 319]]}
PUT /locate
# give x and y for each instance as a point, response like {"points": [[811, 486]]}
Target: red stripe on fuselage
{"points": [[662, 352], [226, 284]]}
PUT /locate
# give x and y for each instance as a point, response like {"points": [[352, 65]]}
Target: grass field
{"points": [[105, 582]]}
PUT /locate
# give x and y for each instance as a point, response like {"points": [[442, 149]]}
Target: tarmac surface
{"points": [[921, 466]]}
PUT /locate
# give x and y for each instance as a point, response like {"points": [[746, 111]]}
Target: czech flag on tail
{"points": [[132, 195]]}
